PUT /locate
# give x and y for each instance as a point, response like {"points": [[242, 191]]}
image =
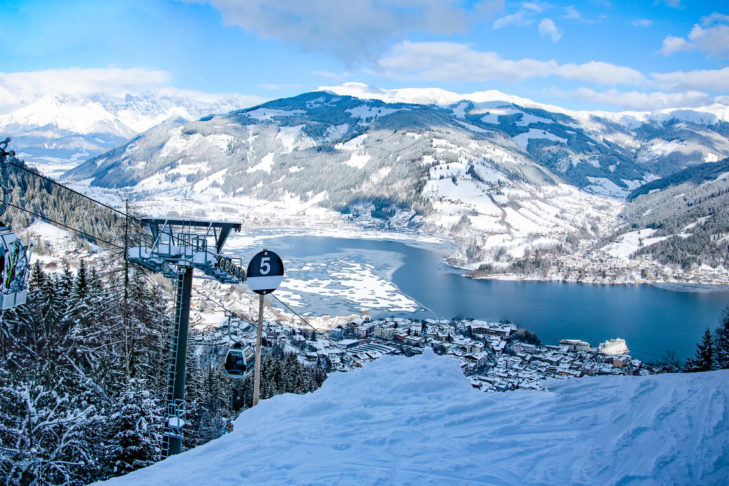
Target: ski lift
{"points": [[14, 270], [239, 360], [14, 260]]}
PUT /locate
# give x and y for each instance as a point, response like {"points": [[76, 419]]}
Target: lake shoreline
{"points": [[688, 287]]}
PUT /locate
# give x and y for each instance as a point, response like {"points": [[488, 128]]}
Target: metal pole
{"points": [[182, 320], [5, 182], [257, 369], [129, 362]]}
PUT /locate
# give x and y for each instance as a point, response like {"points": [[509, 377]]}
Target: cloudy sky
{"points": [[593, 54]]}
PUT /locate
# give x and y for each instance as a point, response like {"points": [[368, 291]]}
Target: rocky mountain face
{"points": [[511, 184]]}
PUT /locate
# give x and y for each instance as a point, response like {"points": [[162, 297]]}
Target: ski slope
{"points": [[417, 421]]}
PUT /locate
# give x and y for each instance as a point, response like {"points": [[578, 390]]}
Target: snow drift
{"points": [[418, 421]]}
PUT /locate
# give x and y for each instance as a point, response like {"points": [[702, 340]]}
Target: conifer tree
{"points": [[136, 440], [704, 358], [721, 342]]}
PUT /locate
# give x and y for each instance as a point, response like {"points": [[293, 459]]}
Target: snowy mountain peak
{"points": [[705, 115], [427, 96], [61, 129]]}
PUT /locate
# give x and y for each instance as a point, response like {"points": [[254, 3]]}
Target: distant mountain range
{"points": [[62, 130], [605, 154], [520, 187]]}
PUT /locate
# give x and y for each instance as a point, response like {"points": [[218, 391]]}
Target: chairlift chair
{"points": [[239, 360], [14, 260], [14, 269]]}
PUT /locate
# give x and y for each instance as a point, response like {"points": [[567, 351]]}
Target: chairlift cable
{"points": [[126, 215], [119, 212], [83, 233], [206, 297], [48, 179]]}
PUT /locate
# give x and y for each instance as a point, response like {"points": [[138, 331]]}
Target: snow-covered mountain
{"points": [[60, 130], [418, 421], [506, 181], [664, 141]]}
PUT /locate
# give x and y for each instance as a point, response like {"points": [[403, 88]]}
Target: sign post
{"points": [[265, 273]]}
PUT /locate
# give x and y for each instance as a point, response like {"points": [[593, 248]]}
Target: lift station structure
{"points": [[174, 248]]}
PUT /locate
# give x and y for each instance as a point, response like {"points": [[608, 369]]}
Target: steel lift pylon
{"points": [[174, 248]]}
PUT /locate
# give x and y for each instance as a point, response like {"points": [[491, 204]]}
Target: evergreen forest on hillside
{"points": [[82, 385]]}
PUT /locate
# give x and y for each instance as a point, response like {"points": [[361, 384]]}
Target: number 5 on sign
{"points": [[265, 264], [265, 272]]}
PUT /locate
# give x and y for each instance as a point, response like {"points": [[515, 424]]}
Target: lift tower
{"points": [[174, 248]]}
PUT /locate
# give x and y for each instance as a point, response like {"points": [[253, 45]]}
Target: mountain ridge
{"points": [[519, 189], [60, 130]]}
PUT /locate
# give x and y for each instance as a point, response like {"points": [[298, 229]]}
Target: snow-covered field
{"points": [[417, 421]]}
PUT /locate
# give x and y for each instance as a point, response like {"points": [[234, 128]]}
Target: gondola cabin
{"points": [[239, 360], [14, 270]]}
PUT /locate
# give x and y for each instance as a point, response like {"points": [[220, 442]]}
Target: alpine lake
{"points": [[326, 275]]}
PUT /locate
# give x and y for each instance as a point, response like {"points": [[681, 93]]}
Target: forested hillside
{"points": [[32, 194], [80, 381], [688, 214]]}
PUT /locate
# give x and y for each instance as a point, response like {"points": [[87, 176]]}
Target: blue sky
{"points": [[594, 54]]}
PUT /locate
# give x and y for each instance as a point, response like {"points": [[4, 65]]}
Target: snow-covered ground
{"points": [[627, 244], [418, 421]]}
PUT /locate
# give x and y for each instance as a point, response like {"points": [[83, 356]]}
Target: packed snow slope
{"points": [[418, 421]]}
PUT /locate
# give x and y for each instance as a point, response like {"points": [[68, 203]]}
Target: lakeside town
{"points": [[495, 356]]}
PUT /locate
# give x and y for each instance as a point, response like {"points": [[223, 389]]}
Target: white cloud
{"points": [[19, 89], [548, 29], [523, 17], [601, 73], [448, 61], [27, 86], [572, 13], [642, 23], [641, 101], [715, 18], [673, 44], [537, 7], [348, 29], [711, 37], [705, 79]]}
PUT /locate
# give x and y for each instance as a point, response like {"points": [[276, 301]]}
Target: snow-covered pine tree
{"points": [[704, 358], [215, 407], [721, 342], [193, 398], [136, 430], [148, 324]]}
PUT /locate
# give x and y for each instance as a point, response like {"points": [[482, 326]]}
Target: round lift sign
{"points": [[265, 272]]}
